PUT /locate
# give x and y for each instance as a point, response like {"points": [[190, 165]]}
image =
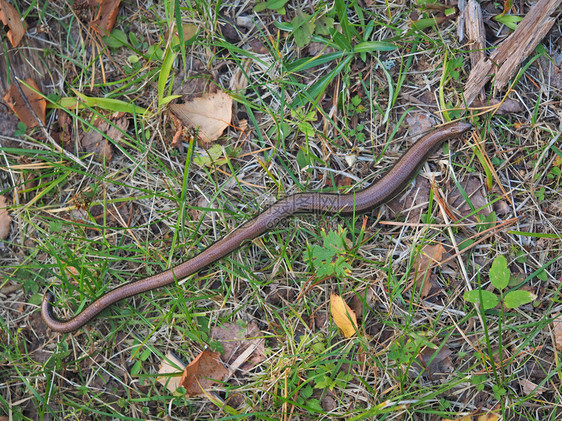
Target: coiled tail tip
{"points": [[49, 318]]}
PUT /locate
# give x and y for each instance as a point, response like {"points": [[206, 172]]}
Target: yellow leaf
{"points": [[344, 317], [492, 416]]}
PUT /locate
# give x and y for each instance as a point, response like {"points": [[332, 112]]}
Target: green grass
{"points": [[329, 116]]}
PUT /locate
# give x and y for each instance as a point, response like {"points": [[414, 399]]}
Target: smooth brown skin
{"points": [[388, 186]]}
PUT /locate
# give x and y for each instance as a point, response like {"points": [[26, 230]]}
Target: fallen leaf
{"points": [[189, 30], [424, 260], [557, 161], [95, 141], [529, 387], [409, 203], [10, 17], [5, 219], [492, 416], [63, 129], [18, 105], [441, 363], [106, 216], [356, 305], [557, 328], [178, 134], [476, 190], [105, 19], [236, 339], [328, 403], [119, 127], [215, 155], [202, 373], [210, 114], [169, 372], [419, 123], [344, 317]]}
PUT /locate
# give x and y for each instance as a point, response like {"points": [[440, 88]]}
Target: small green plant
{"points": [[498, 391], [325, 378], [116, 39], [216, 155], [407, 349], [355, 107], [330, 259], [451, 71], [454, 66], [510, 21], [275, 5], [305, 399], [305, 159], [303, 120], [555, 172], [499, 277], [20, 129], [357, 133], [539, 193], [479, 380], [487, 221], [305, 26], [140, 357], [444, 404]]}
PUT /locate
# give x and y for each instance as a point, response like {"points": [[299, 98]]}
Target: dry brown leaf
{"points": [[529, 387], [557, 328], [344, 317], [10, 17], [5, 218], [236, 339], [465, 418], [476, 190], [95, 141], [328, 403], [557, 161], [425, 259], [509, 106], [210, 114], [441, 363], [203, 372], [18, 105], [169, 371], [63, 129], [72, 271], [105, 19], [410, 203], [419, 123], [356, 304]]}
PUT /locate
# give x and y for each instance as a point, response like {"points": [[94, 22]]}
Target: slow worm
{"points": [[388, 186]]}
